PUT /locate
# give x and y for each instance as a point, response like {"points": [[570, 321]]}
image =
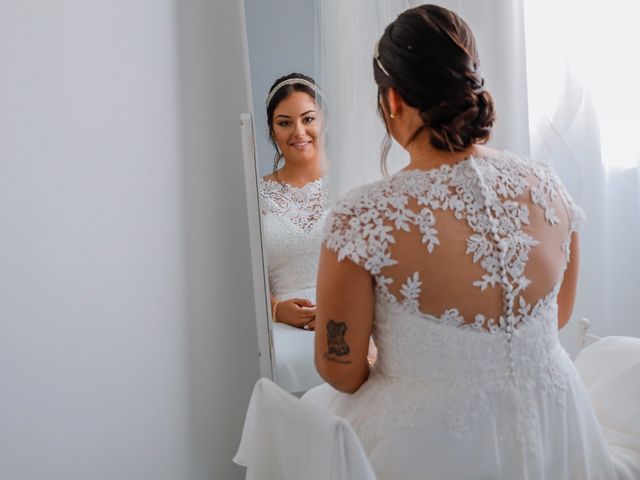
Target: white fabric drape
{"points": [[287, 438], [582, 86], [610, 368], [346, 33]]}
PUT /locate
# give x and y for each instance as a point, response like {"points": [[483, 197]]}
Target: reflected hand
{"points": [[296, 312]]}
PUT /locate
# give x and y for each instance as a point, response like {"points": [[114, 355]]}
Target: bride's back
{"points": [[479, 243]]}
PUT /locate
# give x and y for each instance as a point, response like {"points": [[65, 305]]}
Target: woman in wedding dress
{"points": [[294, 199], [463, 266], [295, 202]]}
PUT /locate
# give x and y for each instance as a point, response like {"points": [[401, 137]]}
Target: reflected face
{"points": [[297, 127]]}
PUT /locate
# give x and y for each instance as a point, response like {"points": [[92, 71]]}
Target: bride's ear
{"points": [[396, 103]]}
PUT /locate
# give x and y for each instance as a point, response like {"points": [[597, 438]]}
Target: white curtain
{"points": [[346, 32], [584, 115]]}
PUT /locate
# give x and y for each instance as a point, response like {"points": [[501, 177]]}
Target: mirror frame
{"points": [[261, 293]]}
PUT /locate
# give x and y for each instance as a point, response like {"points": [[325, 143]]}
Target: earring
{"points": [[392, 115]]}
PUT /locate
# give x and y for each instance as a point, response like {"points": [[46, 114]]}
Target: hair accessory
{"points": [[293, 81], [376, 56], [481, 83]]}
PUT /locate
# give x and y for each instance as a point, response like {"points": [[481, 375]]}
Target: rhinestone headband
{"points": [[376, 56], [293, 81]]}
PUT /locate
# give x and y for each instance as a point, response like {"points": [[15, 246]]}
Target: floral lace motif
{"points": [[433, 373], [481, 191], [293, 219], [302, 206], [449, 371], [505, 382]]}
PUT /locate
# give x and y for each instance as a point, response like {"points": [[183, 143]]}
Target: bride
{"points": [[294, 202], [294, 199], [462, 266]]}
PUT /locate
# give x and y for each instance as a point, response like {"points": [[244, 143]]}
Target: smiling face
{"points": [[297, 128]]}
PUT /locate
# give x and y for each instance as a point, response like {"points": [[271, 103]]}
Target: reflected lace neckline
{"points": [[317, 182]]}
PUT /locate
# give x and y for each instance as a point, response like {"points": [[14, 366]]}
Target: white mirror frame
{"points": [[261, 295], [258, 261]]}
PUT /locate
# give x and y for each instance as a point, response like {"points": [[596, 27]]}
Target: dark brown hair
{"points": [[429, 56], [280, 95]]}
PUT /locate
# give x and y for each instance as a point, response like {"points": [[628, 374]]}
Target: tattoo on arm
{"points": [[335, 338], [336, 360]]}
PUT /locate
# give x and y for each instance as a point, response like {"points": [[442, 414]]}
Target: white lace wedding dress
{"points": [[293, 221], [471, 381]]}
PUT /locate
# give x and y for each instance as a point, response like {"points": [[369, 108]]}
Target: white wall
{"points": [[127, 338]]}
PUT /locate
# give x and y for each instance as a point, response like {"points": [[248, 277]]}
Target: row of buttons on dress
{"points": [[502, 243]]}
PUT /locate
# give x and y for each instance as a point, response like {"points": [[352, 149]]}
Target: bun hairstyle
{"points": [[281, 89], [429, 56]]}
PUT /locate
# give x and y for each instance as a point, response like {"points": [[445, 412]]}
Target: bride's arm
{"points": [[567, 293], [345, 306]]}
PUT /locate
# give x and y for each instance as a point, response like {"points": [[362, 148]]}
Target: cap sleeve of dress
{"points": [[355, 230], [551, 184]]}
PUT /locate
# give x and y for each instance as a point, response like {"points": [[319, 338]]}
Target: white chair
{"points": [[287, 438], [584, 337]]}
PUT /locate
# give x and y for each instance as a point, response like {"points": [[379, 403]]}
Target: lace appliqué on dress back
{"points": [[448, 368], [484, 193]]}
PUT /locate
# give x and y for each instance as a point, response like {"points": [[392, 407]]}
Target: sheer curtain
{"points": [[583, 114]]}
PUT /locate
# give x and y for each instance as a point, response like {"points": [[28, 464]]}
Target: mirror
{"points": [[293, 202]]}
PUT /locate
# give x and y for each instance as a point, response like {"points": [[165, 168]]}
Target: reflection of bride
{"points": [[294, 199]]}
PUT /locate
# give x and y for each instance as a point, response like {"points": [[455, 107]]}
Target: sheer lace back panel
{"points": [[468, 260], [479, 244], [293, 219]]}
